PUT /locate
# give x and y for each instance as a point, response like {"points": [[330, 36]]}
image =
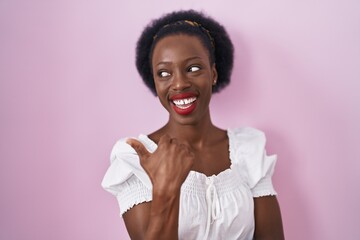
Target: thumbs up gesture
{"points": [[168, 166]]}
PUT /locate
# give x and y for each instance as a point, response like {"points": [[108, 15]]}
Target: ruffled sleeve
{"points": [[250, 155], [125, 178]]}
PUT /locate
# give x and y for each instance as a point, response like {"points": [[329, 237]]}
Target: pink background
{"points": [[69, 89]]}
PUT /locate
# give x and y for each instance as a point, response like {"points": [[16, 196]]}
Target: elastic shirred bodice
{"points": [[211, 207]]}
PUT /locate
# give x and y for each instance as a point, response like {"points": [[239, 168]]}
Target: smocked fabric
{"points": [[211, 207]]}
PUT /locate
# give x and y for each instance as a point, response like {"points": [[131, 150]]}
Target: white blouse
{"points": [[215, 207]]}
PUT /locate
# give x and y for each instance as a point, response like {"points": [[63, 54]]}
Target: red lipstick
{"points": [[184, 103], [184, 111], [182, 96]]}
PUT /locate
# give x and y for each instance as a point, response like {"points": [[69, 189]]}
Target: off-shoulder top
{"points": [[211, 207]]}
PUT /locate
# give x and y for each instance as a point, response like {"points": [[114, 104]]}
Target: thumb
{"points": [[139, 148]]}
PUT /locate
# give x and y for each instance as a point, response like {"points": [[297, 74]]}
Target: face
{"points": [[183, 77]]}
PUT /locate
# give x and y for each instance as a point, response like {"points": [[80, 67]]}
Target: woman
{"points": [[191, 179]]}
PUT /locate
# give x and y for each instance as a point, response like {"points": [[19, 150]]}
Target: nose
{"points": [[180, 81]]}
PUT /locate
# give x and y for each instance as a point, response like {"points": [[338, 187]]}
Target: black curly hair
{"points": [[212, 35]]}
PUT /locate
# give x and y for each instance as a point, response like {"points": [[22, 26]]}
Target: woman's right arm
{"points": [[167, 168]]}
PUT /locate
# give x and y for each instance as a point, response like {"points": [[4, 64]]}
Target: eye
{"points": [[163, 74], [194, 68]]}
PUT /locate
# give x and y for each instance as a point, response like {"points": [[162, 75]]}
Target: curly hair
{"points": [[211, 34]]}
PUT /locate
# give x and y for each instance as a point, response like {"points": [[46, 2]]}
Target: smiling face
{"points": [[183, 77]]}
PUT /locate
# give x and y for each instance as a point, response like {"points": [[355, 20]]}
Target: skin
{"points": [[187, 142]]}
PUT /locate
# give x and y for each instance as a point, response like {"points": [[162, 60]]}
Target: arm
{"points": [[268, 223], [136, 220], [167, 168], [154, 220]]}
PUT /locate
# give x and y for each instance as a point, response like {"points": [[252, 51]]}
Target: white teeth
{"points": [[181, 102]]}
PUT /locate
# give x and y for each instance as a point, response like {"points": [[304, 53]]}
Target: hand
{"points": [[168, 166]]}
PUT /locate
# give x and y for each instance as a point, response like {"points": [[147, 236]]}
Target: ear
{"points": [[214, 74]]}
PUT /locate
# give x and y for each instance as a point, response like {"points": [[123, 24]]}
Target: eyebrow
{"points": [[186, 60]]}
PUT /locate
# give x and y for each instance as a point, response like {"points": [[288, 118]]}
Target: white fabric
{"points": [[216, 207]]}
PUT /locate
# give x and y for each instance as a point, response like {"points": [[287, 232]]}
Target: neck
{"points": [[197, 134]]}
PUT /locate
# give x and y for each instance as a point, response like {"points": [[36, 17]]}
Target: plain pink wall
{"points": [[69, 89]]}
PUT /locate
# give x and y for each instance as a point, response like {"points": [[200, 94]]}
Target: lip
{"points": [[183, 111], [182, 96]]}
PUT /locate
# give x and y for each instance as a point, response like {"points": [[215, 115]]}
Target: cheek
{"points": [[161, 92], [164, 102], [207, 83], [158, 88]]}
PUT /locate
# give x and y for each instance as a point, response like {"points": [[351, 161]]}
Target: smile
{"points": [[184, 103]]}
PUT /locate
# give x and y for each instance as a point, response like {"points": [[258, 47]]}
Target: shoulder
{"points": [[124, 163], [248, 150], [247, 145], [247, 136], [121, 148]]}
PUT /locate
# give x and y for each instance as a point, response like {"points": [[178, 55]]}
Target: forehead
{"points": [[178, 47]]}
